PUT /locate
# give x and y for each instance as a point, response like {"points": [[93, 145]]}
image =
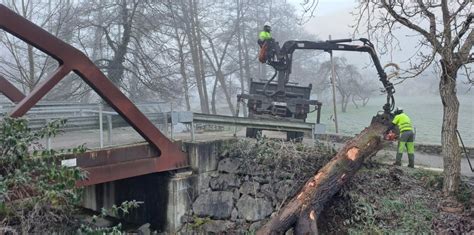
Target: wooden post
{"points": [[333, 82], [303, 210]]}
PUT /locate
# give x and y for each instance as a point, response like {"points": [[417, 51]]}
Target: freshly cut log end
{"points": [[302, 211], [352, 153]]}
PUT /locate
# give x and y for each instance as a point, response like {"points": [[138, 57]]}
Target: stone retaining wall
{"points": [[242, 192], [235, 194]]}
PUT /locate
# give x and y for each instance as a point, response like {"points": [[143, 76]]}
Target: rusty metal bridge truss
{"points": [[105, 165], [109, 164]]}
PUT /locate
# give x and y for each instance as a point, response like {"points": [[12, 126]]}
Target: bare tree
{"points": [[348, 80], [217, 63], [131, 46], [446, 38], [217, 55], [244, 68], [117, 28], [191, 24], [180, 39], [363, 91], [22, 63]]}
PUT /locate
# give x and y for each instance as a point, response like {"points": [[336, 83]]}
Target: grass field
{"points": [[425, 111]]}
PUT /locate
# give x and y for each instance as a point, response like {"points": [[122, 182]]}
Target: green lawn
{"points": [[425, 111]]}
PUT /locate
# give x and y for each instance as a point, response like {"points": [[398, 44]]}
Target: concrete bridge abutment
{"points": [[165, 196]]}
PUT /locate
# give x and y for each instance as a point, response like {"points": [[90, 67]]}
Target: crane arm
{"points": [[285, 55]]}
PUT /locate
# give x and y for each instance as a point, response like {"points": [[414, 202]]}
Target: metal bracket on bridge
{"points": [[71, 59]]}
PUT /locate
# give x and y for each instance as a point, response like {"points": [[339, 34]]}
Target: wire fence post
{"points": [[48, 140], [172, 124], [333, 81], [101, 129], [109, 128]]}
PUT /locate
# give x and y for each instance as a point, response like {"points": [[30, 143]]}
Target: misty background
{"points": [[198, 55]]}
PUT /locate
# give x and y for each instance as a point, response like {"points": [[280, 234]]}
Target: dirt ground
{"points": [[383, 198]]}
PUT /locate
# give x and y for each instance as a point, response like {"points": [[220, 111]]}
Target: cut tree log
{"points": [[302, 211]]}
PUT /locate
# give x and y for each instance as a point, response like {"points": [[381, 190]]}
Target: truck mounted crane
{"points": [[287, 101]]}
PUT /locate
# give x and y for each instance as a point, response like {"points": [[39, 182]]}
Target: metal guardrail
{"points": [[266, 124], [78, 108], [87, 116], [91, 116]]}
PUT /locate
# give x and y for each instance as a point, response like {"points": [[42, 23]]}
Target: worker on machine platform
{"points": [[406, 138], [266, 43]]}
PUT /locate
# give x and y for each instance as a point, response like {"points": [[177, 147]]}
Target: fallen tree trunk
{"points": [[303, 210]]}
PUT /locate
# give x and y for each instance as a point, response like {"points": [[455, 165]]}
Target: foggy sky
{"points": [[333, 17]]}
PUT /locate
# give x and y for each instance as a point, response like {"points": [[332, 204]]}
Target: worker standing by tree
{"points": [[265, 41], [406, 138]]}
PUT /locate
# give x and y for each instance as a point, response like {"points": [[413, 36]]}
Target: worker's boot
{"points": [[411, 160], [398, 160]]}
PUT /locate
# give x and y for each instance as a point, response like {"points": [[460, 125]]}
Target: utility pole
{"points": [[333, 81]]}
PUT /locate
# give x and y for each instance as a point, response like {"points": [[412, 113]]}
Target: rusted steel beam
{"points": [[71, 59], [114, 155], [40, 91], [122, 162], [10, 91]]}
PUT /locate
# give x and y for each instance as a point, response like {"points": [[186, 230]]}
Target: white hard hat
{"points": [[267, 24]]}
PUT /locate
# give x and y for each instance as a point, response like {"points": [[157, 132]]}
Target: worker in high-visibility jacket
{"points": [[265, 34], [266, 43], [406, 137]]}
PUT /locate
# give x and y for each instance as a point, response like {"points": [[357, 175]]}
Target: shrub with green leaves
{"points": [[37, 193], [115, 211]]}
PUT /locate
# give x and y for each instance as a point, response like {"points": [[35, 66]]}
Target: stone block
{"points": [[229, 165], [249, 188], [218, 226], [254, 209], [267, 190], [284, 189], [204, 179], [224, 182], [217, 205]]}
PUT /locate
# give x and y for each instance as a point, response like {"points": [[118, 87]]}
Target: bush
{"points": [[282, 159], [36, 192], [115, 211]]}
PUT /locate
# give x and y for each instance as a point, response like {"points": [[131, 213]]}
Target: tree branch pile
{"points": [[303, 210]]}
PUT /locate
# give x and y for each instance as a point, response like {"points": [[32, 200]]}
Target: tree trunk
{"points": [[449, 141], [365, 101], [115, 68], [241, 54], [344, 101], [213, 99], [195, 20], [246, 57], [182, 70], [97, 53], [191, 36], [31, 75], [220, 78], [303, 210], [354, 102]]}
